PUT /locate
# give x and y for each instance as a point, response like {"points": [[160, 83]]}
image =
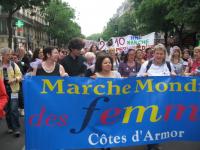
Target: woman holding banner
{"points": [[104, 69], [177, 61], [158, 66], [49, 66]]}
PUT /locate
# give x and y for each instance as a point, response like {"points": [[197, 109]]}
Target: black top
{"points": [[41, 72], [74, 67], [24, 64], [7, 85]]}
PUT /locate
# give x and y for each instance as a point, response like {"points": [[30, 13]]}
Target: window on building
{"points": [[3, 27]]}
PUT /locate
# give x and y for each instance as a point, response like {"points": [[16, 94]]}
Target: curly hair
{"points": [[76, 43]]}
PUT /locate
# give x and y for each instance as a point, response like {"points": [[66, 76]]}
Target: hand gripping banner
{"points": [[77, 113]]}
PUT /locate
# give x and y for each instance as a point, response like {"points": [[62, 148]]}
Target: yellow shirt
{"points": [[12, 76]]}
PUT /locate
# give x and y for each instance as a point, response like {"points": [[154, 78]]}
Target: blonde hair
{"points": [[197, 48], [111, 49], [160, 47], [176, 48], [90, 55]]}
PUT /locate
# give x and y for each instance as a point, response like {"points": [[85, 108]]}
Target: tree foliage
{"points": [[111, 29], [121, 26], [184, 12], [152, 14], [168, 16], [128, 24], [94, 37], [62, 26]]}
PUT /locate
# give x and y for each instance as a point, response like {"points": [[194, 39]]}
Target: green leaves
{"points": [[61, 22], [121, 26], [156, 15]]}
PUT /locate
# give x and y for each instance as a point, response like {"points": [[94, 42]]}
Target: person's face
{"points": [[176, 53], [106, 65], [40, 55], [83, 52], [15, 58], [21, 52], [94, 48], [149, 53], [139, 54], [54, 55], [112, 53], [62, 54], [159, 56], [76, 52], [131, 56], [186, 55], [6, 56], [197, 54], [90, 60]]}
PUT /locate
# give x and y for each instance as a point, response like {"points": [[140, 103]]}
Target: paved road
{"points": [[9, 142]]}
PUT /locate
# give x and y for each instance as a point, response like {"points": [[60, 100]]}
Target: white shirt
{"points": [[155, 70], [36, 63], [115, 74]]}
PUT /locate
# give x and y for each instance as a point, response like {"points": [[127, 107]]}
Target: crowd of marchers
{"points": [[79, 61]]}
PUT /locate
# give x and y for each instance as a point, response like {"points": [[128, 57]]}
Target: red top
{"points": [[3, 98], [195, 65]]}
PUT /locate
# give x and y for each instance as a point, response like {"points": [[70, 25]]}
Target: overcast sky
{"points": [[93, 15]]}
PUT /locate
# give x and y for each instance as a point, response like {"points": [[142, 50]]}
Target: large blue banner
{"points": [[76, 113]]}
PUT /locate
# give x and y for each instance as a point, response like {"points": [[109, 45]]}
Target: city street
{"points": [[93, 74], [8, 141]]}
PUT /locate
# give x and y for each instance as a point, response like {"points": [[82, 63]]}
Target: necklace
{"points": [[48, 69]]}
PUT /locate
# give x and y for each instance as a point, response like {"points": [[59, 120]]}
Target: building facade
{"points": [[30, 33]]}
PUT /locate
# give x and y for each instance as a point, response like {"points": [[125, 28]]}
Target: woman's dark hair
{"points": [[76, 43], [99, 61], [46, 51], [92, 47], [147, 49], [186, 51], [35, 54], [126, 56]]}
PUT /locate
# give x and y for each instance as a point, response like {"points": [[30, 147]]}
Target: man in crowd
{"points": [[74, 62]]}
